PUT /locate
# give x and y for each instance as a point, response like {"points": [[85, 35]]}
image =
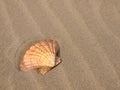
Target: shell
{"points": [[42, 56]]}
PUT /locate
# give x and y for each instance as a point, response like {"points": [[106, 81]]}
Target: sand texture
{"points": [[88, 32]]}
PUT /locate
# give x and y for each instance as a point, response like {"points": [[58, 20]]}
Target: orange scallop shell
{"points": [[41, 55]]}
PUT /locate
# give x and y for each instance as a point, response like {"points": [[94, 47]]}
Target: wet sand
{"points": [[88, 34]]}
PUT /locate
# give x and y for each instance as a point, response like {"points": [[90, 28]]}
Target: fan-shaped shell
{"points": [[41, 55]]}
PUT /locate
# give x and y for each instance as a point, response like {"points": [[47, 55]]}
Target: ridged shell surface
{"points": [[41, 55]]}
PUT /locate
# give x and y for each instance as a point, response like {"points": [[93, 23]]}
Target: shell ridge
{"points": [[38, 51], [46, 50], [47, 54], [30, 63], [49, 46], [53, 45], [42, 51], [43, 58]]}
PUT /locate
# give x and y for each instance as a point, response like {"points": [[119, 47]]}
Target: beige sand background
{"points": [[88, 32]]}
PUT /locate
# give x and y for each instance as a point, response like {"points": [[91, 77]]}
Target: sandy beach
{"points": [[88, 32]]}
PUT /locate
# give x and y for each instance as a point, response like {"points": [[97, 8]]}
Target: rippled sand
{"points": [[88, 32]]}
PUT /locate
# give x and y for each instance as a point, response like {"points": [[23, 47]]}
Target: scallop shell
{"points": [[42, 56]]}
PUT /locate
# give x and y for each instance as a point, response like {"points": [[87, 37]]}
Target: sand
{"points": [[88, 34]]}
